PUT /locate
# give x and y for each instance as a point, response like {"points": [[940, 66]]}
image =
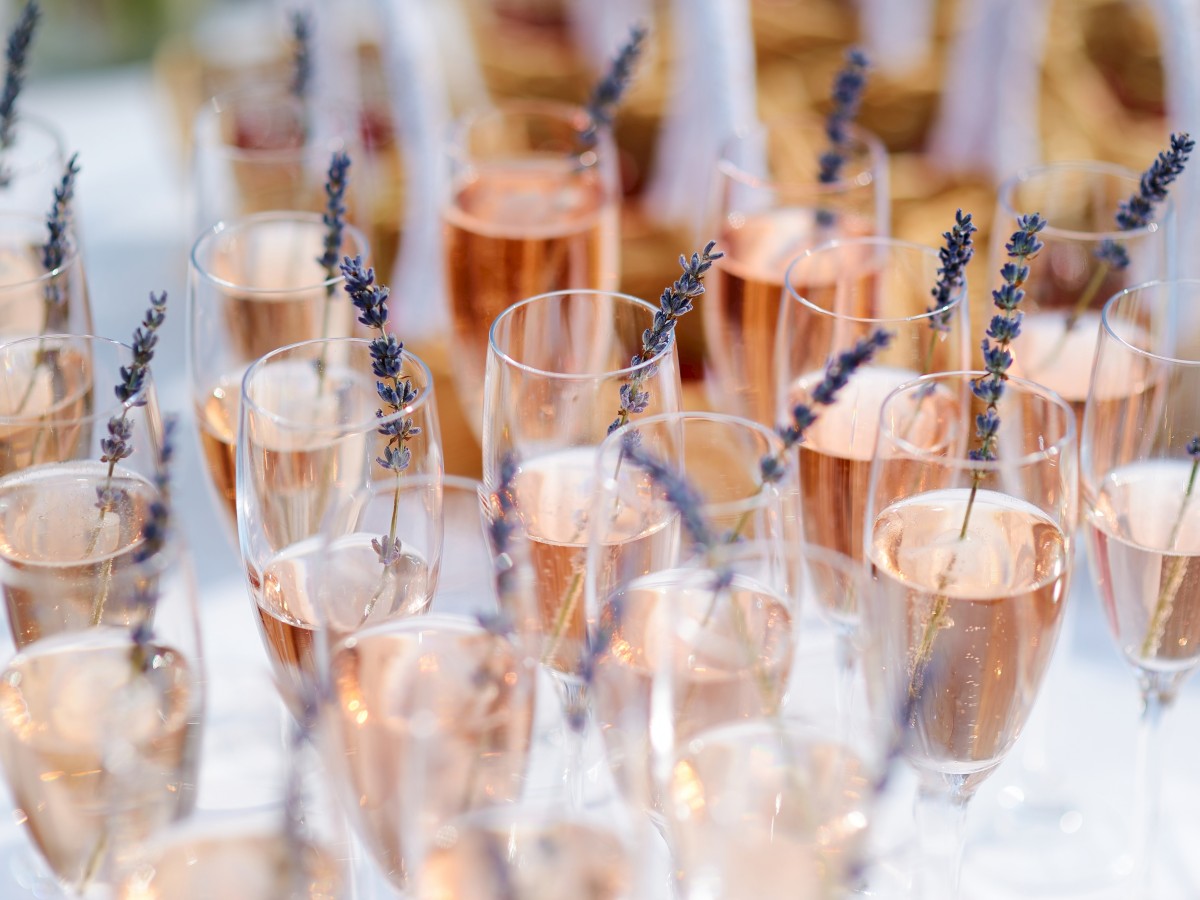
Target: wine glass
{"points": [[255, 284], [266, 823], [770, 207], [34, 301], [309, 437], [100, 729], [1138, 461], [1062, 305], [262, 148], [431, 715], [31, 165], [972, 563], [533, 208], [838, 294]]}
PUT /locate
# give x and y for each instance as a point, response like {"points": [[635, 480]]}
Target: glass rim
{"points": [[572, 115], [99, 412], [717, 507], [875, 149], [1096, 167], [425, 393], [231, 226], [1128, 292], [69, 258], [225, 102], [958, 298], [1063, 444], [578, 376]]}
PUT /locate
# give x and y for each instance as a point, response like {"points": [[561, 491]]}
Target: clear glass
{"points": [[837, 294], [770, 207], [30, 169], [432, 714], [532, 208], [100, 734], [306, 443], [972, 564], [556, 364], [56, 400], [1063, 302], [255, 285], [1140, 519], [32, 300], [261, 149]]}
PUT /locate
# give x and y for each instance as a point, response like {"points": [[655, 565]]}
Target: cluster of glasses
{"points": [[518, 742]]}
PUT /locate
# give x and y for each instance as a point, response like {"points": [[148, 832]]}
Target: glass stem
{"points": [[941, 832], [1157, 694]]}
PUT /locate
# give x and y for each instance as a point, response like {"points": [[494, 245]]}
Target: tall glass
{"points": [[1063, 303], [556, 364], [309, 439], [1140, 449], [32, 300], [533, 208], [432, 715], [838, 294], [972, 563], [770, 207], [100, 724], [31, 167], [254, 285]]}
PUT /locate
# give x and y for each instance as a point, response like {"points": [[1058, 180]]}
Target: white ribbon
{"points": [[896, 33], [712, 96], [600, 29]]}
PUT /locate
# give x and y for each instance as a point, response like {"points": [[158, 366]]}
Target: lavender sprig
{"points": [[301, 22], [607, 95], [58, 223], [503, 526], [394, 389], [19, 40], [154, 537], [1136, 212], [838, 372], [847, 93], [1004, 328], [954, 255], [675, 302], [1164, 605], [334, 219]]}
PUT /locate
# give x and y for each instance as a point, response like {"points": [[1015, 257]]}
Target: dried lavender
{"points": [[1136, 212], [394, 389], [954, 255], [301, 22], [334, 219], [606, 96], [503, 526], [117, 445], [847, 92], [19, 40], [154, 537], [838, 372], [1164, 605], [54, 251], [676, 301]]}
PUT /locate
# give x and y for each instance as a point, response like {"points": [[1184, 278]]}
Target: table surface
{"points": [[132, 208]]}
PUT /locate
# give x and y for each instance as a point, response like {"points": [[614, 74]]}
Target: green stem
{"points": [[1164, 605], [106, 568], [976, 477], [1080, 307], [566, 610]]}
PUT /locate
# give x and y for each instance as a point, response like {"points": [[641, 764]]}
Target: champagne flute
{"points": [[837, 294], [556, 364], [255, 284], [1062, 305], [971, 562], [432, 715], [770, 208], [34, 301], [1138, 460], [262, 148], [533, 208], [100, 724]]}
